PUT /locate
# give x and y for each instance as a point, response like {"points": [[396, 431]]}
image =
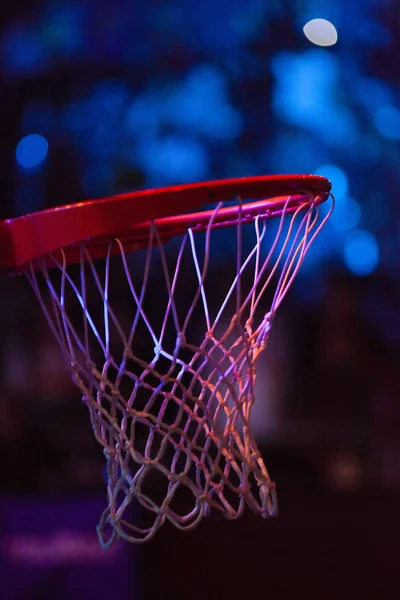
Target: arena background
{"points": [[98, 98]]}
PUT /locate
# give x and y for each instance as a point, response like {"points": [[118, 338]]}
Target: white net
{"points": [[169, 397]]}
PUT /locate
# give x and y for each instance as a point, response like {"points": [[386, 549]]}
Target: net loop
{"points": [[168, 374]]}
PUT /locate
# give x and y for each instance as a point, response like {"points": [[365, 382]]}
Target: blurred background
{"points": [[98, 98]]}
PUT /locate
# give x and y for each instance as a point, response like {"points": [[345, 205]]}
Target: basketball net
{"points": [[177, 420]]}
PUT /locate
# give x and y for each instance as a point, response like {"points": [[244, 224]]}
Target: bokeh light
{"points": [[320, 32], [347, 214], [173, 159], [387, 120], [305, 95], [255, 90], [22, 51], [101, 98], [201, 105], [361, 252], [338, 179], [31, 150]]}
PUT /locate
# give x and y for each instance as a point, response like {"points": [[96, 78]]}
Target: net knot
{"points": [[180, 339], [270, 316], [267, 322], [265, 328], [91, 365], [128, 354], [269, 505], [157, 349]]}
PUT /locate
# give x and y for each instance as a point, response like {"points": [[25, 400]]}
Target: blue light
{"points": [[201, 104], [105, 105], [294, 152], [305, 95], [387, 121], [31, 151], [372, 93], [361, 252], [77, 116], [143, 115], [95, 121], [347, 214], [373, 33], [338, 179], [23, 52], [215, 34], [251, 18], [302, 82], [109, 98], [63, 28], [207, 80], [174, 159]]}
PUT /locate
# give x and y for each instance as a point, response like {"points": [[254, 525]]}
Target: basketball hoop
{"points": [[169, 403]]}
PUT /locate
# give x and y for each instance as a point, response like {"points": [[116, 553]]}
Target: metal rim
{"points": [[96, 222]]}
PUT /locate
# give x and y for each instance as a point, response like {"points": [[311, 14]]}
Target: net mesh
{"points": [[166, 371]]}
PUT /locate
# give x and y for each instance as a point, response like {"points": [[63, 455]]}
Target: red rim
{"points": [[97, 222]]}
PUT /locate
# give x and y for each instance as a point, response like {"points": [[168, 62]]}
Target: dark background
{"points": [[98, 98]]}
